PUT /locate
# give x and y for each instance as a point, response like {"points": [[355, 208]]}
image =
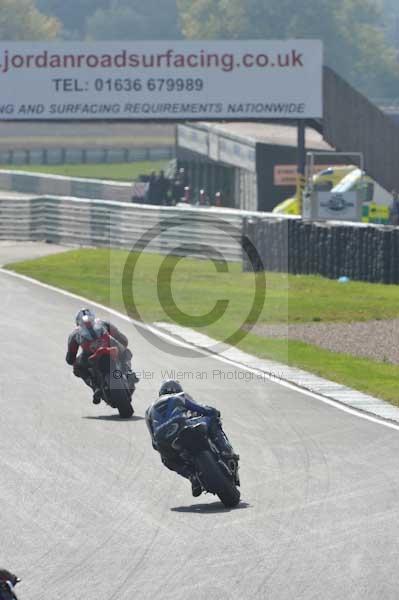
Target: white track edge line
{"points": [[172, 339]]}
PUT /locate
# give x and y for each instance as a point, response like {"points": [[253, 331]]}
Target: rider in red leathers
{"points": [[91, 333]]}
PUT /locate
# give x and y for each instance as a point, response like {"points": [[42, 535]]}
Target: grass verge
{"points": [[196, 287], [113, 171], [32, 142]]}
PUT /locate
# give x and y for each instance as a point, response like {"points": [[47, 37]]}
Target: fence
{"points": [[361, 252], [42, 184], [62, 156], [262, 241], [202, 232]]}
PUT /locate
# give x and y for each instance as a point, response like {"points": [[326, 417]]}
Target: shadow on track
{"points": [[113, 418], [212, 508]]}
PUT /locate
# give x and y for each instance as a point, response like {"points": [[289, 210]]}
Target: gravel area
{"points": [[377, 340]]}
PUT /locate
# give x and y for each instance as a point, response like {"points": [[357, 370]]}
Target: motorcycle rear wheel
{"points": [[216, 480]]}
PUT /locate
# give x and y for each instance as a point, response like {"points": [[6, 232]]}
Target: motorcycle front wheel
{"points": [[122, 401]]}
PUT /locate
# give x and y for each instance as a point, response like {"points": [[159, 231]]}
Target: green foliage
{"points": [[72, 14], [358, 35], [390, 10], [115, 19], [20, 20], [350, 29], [134, 20]]}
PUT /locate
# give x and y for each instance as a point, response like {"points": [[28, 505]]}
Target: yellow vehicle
{"points": [[324, 181], [339, 180], [374, 200]]}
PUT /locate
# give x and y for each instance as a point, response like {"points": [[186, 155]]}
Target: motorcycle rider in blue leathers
{"points": [[174, 402]]}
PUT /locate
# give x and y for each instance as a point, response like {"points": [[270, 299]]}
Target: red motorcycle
{"points": [[116, 383]]}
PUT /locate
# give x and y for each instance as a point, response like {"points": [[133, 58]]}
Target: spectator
{"points": [[152, 189], [162, 189], [178, 185]]}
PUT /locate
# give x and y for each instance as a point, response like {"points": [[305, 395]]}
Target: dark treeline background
{"points": [[361, 37]]}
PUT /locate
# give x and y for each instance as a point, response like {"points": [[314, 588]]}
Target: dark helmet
{"points": [[170, 387]]}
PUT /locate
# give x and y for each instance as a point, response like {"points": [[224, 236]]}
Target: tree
{"points": [[135, 20], [20, 20], [207, 19], [350, 29], [391, 21], [73, 14]]}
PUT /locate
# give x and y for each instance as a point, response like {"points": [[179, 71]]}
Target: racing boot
{"points": [[96, 390], [97, 396], [196, 488]]}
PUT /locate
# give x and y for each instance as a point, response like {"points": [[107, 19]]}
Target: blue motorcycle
{"points": [[190, 438]]}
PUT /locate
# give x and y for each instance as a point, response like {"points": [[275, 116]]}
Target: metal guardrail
{"points": [[43, 184], [283, 243], [62, 156], [201, 232]]}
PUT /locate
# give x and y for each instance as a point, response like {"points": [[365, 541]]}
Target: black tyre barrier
{"points": [[360, 252]]}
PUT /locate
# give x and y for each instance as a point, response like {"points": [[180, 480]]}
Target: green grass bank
{"points": [[112, 171]]}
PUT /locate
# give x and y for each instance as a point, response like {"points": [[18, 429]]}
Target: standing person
{"points": [[163, 188], [152, 189], [179, 183]]}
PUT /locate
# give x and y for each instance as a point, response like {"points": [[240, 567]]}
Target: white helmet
{"points": [[85, 317]]}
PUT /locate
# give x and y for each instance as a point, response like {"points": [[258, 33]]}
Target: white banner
{"points": [[171, 80], [337, 207]]}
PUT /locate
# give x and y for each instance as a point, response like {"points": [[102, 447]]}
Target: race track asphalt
{"points": [[87, 512]]}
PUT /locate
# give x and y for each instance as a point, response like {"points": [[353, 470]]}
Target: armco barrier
{"points": [[57, 185], [360, 251], [185, 230], [262, 241]]}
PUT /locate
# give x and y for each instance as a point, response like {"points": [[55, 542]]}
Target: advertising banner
{"points": [[168, 80]]}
